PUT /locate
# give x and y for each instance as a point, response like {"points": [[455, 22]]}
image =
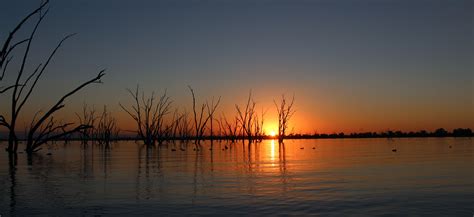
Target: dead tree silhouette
{"points": [[184, 126], [246, 117], [285, 112], [148, 115], [233, 128], [107, 129], [211, 108], [88, 118], [43, 127], [258, 126], [201, 121], [173, 127]]}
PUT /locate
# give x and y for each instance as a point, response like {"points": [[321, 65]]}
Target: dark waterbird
{"points": [[394, 150]]}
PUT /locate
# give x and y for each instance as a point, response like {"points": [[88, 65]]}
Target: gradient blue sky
{"points": [[353, 65]]}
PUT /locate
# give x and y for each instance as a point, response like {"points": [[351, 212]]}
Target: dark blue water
{"points": [[340, 177]]}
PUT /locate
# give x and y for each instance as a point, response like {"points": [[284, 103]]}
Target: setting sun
{"points": [[272, 133]]}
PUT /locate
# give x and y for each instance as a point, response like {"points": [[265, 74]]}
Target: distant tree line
{"points": [[440, 132]]}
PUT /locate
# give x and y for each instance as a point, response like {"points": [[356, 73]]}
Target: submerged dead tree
{"points": [[246, 117], [106, 130], [258, 126], [37, 137], [231, 129], [179, 127], [285, 112], [200, 120], [184, 127], [87, 118], [211, 108], [43, 127], [149, 115], [7, 48]]}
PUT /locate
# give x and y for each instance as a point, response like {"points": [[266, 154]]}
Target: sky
{"points": [[352, 65]]}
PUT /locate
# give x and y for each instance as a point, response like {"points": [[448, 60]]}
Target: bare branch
{"points": [[5, 89], [57, 136], [285, 112], [41, 73], [149, 116], [6, 44], [25, 57], [246, 117], [59, 103], [107, 128], [3, 122], [201, 122]]}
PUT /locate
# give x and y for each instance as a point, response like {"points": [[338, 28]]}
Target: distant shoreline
{"points": [[441, 132], [291, 137]]}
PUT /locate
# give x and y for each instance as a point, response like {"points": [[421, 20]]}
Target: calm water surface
{"points": [[338, 177]]}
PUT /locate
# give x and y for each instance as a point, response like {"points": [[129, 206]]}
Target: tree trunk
{"points": [[12, 142]]}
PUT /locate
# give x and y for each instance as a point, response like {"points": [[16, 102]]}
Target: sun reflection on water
{"points": [[272, 151]]}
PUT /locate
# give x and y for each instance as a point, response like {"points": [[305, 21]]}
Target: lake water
{"points": [[339, 177]]}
